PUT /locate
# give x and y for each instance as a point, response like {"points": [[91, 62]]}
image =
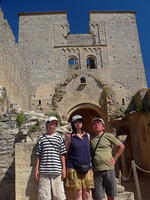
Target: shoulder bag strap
{"points": [[51, 143], [92, 156]]}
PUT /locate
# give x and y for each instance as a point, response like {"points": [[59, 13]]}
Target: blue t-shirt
{"points": [[79, 151]]}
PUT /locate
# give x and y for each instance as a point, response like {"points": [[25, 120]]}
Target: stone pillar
{"points": [[26, 185]]}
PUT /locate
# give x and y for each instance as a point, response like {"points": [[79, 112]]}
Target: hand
{"points": [[67, 141], [113, 161], [63, 174], [36, 174], [67, 137]]}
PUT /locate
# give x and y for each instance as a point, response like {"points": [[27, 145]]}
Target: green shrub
{"points": [[21, 119], [34, 128]]}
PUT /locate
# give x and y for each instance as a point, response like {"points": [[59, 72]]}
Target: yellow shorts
{"points": [[78, 181]]}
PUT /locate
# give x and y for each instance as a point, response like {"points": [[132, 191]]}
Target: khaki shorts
{"points": [[78, 181], [51, 187]]}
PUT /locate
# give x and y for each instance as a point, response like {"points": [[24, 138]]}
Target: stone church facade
{"points": [[51, 69]]}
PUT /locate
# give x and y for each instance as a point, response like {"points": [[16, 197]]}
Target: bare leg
{"points": [[78, 194], [86, 194]]}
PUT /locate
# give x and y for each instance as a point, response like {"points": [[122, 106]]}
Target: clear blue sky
{"points": [[78, 16]]}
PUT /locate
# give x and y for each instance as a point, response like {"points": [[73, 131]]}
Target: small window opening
{"points": [[123, 102], [72, 61], [83, 80], [91, 63], [39, 102]]}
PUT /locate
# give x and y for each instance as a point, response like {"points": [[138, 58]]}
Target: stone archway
{"points": [[88, 112]]}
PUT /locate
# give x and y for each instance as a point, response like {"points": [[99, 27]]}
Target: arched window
{"points": [[91, 62], [73, 62]]}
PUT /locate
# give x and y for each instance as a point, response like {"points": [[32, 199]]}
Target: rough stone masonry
{"points": [[51, 70]]}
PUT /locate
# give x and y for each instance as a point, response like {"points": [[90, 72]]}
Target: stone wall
{"points": [[4, 103], [33, 67], [112, 41], [9, 135], [136, 126], [14, 75], [118, 31], [38, 76]]}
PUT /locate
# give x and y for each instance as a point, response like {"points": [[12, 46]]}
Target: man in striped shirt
{"points": [[50, 169]]}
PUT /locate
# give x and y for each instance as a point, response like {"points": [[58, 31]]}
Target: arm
{"points": [[36, 172], [120, 148], [67, 141], [63, 161], [67, 144], [38, 158]]}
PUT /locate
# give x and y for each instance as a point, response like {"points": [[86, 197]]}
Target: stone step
{"points": [[122, 194], [125, 196], [120, 189]]}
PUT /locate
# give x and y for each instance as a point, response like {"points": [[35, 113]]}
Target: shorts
{"points": [[78, 181], [49, 185], [105, 182]]}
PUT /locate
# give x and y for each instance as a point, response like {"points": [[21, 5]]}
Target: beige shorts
{"points": [[51, 187]]}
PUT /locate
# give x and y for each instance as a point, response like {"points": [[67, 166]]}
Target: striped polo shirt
{"points": [[49, 149]]}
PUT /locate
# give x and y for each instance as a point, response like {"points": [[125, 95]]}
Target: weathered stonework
{"points": [[3, 100], [26, 185], [45, 46], [14, 75], [9, 133], [94, 75], [136, 127]]}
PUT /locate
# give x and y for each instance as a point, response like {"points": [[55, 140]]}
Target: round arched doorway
{"points": [[88, 114]]}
